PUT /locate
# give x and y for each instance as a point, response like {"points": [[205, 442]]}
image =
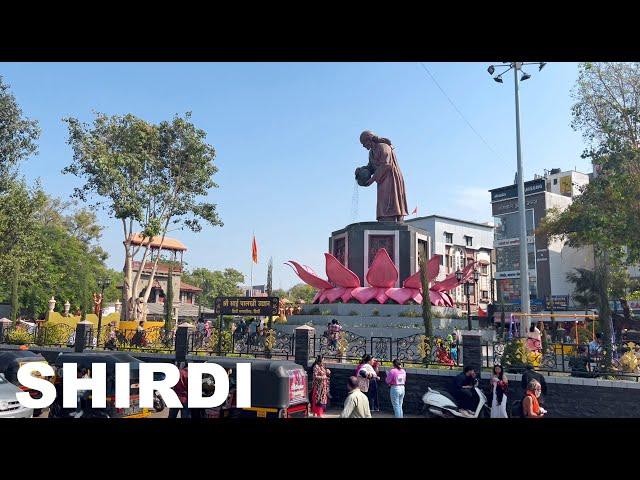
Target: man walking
{"points": [[357, 404]]}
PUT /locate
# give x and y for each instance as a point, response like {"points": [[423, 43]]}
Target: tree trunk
{"points": [[426, 301], [168, 302], [15, 298], [604, 311]]}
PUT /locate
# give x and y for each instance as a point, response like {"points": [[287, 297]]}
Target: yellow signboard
{"points": [[565, 185]]}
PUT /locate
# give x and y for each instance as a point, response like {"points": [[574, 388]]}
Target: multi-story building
{"points": [[549, 261], [459, 242], [184, 301]]}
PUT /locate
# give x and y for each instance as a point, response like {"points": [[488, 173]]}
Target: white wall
{"points": [[562, 258], [482, 236]]}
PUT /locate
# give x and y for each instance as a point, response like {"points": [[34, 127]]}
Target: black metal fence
{"points": [[271, 344], [59, 335], [413, 349], [579, 360]]}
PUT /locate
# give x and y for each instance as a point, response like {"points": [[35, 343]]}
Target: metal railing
{"points": [[270, 344], [585, 360], [413, 349]]}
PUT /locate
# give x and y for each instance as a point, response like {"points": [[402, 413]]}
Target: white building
{"points": [[460, 242], [549, 262]]}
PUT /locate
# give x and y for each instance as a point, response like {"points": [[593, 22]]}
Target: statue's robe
{"points": [[392, 200]]}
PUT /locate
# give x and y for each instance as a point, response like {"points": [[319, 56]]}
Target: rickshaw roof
{"points": [[104, 357], [7, 358], [257, 364]]}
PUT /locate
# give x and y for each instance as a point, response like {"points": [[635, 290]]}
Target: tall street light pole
{"points": [[105, 282], [525, 306]]}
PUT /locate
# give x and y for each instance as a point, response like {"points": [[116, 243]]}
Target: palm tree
{"points": [[586, 286]]}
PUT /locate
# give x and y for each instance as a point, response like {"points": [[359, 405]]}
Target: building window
{"points": [[555, 181], [468, 241], [485, 294], [448, 237], [484, 269]]}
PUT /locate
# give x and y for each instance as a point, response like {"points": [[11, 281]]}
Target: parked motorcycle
{"points": [[442, 404]]}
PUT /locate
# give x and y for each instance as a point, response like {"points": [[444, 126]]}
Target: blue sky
{"points": [[286, 136]]}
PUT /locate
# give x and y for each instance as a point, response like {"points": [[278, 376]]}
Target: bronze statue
{"points": [[97, 303], [383, 168]]}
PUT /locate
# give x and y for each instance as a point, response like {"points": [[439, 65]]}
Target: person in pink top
{"points": [[396, 379]]}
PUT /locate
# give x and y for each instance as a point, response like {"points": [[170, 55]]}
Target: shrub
{"points": [[314, 311], [375, 312], [353, 313], [410, 314], [515, 354], [325, 313], [19, 336]]}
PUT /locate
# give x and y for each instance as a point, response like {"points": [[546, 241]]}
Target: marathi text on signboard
{"points": [[511, 191], [559, 302], [259, 306]]}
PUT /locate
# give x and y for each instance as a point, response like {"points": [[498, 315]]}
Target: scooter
{"points": [[442, 404]]}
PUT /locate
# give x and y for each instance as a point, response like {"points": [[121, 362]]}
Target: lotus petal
{"points": [[450, 282], [309, 277], [364, 294], [334, 294], [339, 274], [382, 273], [400, 295], [381, 295], [346, 296], [433, 268]]}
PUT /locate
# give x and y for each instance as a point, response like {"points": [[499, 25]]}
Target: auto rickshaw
{"points": [[278, 390], [84, 361], [11, 361]]}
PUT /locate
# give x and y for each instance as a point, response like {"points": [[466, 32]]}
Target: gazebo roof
{"points": [[168, 244]]}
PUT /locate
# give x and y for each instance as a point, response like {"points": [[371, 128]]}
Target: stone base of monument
{"points": [[374, 320], [356, 245]]}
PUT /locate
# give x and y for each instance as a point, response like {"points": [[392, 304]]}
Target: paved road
{"points": [[329, 414]]}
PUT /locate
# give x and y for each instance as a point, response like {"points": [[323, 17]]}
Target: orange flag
{"points": [[415, 211], [254, 250]]}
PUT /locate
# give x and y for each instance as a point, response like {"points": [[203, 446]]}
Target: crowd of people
{"points": [[362, 396], [362, 385]]}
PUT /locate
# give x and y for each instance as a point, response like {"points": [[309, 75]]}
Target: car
{"points": [[10, 407], [10, 363]]}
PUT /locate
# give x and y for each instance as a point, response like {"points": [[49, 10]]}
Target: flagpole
{"points": [[253, 239]]}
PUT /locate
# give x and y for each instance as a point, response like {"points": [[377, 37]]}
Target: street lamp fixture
{"points": [[524, 263], [467, 291], [459, 275], [491, 69], [498, 79], [104, 283]]}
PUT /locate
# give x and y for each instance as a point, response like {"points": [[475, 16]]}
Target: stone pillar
{"points": [[472, 349], [84, 335], [5, 325], [303, 346], [182, 341]]}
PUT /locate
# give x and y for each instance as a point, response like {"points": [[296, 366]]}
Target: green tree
{"points": [[604, 216], [301, 291], [149, 177], [215, 283], [22, 250], [280, 293], [18, 136]]}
